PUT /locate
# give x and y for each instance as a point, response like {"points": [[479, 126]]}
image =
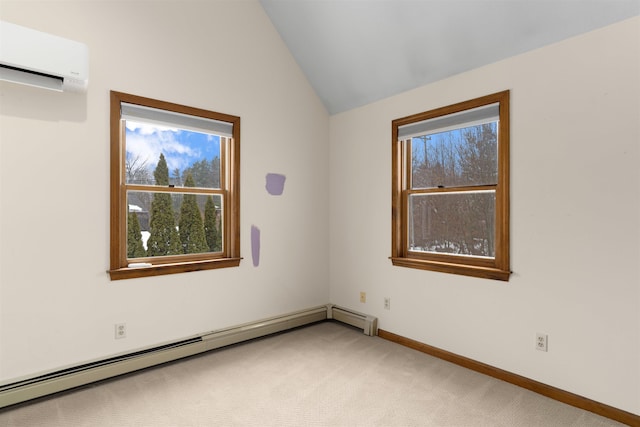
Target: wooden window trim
{"points": [[230, 191], [497, 268]]}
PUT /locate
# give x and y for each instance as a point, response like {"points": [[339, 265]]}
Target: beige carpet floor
{"points": [[326, 374]]}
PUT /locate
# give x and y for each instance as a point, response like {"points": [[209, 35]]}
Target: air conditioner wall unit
{"points": [[42, 60]]}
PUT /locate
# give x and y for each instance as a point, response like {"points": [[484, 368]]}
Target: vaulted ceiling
{"points": [[355, 52]]}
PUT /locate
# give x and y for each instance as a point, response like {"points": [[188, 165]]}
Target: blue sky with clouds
{"points": [[180, 147]]}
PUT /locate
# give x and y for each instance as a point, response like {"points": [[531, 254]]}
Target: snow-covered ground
{"points": [[145, 237]]}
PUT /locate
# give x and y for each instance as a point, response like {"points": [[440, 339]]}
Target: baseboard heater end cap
{"points": [[330, 311], [369, 324], [373, 326]]}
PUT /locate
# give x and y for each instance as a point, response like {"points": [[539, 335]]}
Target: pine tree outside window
{"points": [[174, 188], [450, 189]]}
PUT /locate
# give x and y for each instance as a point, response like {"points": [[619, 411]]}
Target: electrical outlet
{"points": [[541, 342], [121, 330], [363, 297], [387, 303]]}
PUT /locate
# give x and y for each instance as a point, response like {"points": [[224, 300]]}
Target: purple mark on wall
{"points": [[255, 245], [275, 183]]}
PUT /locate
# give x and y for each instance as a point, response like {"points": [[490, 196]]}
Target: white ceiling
{"points": [[358, 51]]}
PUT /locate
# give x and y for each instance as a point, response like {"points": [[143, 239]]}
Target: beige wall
{"points": [[575, 211], [57, 305]]}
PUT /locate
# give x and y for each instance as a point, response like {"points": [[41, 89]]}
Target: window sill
{"points": [[179, 267], [447, 267]]}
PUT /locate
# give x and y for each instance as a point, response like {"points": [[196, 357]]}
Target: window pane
{"points": [[160, 224], [460, 223], [185, 153], [460, 157]]}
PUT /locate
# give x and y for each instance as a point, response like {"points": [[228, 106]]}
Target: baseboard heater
{"points": [[80, 375], [368, 324]]}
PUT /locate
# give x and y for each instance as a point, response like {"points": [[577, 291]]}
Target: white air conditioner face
{"points": [[43, 60]]}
